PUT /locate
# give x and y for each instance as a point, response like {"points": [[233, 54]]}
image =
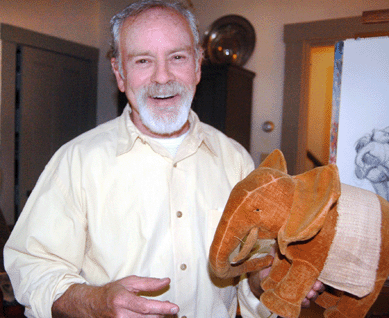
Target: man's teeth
{"points": [[163, 96]]}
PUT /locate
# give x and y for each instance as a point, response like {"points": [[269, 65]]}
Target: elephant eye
{"points": [[258, 210]]}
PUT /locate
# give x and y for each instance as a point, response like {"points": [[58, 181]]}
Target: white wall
{"points": [[87, 22]]}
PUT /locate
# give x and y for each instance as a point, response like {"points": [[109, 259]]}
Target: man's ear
{"points": [[116, 71], [199, 61]]}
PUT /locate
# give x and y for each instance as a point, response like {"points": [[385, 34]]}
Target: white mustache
{"points": [[169, 89]]}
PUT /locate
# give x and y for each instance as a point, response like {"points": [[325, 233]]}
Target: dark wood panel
{"points": [[224, 100]]}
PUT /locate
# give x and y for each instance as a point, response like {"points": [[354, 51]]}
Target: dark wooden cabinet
{"points": [[223, 100], [48, 96]]}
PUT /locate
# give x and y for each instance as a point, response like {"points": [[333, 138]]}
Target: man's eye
{"points": [[141, 61]]}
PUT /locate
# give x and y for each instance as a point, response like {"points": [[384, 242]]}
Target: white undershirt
{"points": [[171, 144]]}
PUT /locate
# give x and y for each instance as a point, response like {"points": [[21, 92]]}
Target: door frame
{"points": [[10, 38], [299, 38]]}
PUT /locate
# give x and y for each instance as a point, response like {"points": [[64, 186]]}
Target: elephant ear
{"points": [[275, 160], [315, 193]]}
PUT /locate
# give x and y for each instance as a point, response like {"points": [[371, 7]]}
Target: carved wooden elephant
{"points": [[303, 214]]}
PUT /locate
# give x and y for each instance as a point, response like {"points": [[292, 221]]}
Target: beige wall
{"points": [[268, 18], [76, 21], [86, 21]]}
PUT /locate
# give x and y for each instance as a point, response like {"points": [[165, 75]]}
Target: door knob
{"points": [[268, 126]]}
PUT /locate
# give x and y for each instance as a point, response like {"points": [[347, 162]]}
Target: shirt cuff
{"points": [[250, 306], [41, 301]]}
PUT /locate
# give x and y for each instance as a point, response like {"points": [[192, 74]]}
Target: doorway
{"points": [[299, 39], [321, 68]]}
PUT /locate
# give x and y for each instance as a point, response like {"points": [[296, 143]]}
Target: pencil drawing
{"points": [[372, 160]]}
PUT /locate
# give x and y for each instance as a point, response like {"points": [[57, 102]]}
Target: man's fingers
{"points": [[146, 306], [143, 306], [312, 295], [305, 303], [318, 286], [265, 272], [137, 284]]}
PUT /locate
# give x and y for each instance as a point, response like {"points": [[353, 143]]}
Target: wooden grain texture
{"points": [[376, 16]]}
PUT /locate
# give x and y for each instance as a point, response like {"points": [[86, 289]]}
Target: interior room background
{"points": [[87, 22]]}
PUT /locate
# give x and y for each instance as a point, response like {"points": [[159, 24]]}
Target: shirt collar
{"points": [[129, 133]]}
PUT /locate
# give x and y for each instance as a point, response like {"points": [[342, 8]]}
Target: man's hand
{"points": [[116, 299], [317, 288]]}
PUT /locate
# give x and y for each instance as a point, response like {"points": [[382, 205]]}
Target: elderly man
{"points": [[121, 220]]}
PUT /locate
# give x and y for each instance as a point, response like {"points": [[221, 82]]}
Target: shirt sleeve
{"points": [[45, 251]]}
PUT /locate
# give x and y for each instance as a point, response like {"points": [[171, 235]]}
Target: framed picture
{"points": [[360, 115]]}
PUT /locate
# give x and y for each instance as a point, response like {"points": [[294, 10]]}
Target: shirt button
{"points": [[183, 267], [179, 214]]}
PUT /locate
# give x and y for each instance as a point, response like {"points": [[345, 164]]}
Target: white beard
{"points": [[170, 120]]}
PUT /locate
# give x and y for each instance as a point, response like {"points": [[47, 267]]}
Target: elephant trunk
{"points": [[220, 252]]}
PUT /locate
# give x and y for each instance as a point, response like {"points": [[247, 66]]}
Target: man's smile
{"points": [[164, 97]]}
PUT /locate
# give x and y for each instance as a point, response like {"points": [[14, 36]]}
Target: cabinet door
{"points": [[53, 108], [223, 100], [210, 101]]}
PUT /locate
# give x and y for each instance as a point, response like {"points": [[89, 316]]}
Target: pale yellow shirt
{"points": [[113, 203]]}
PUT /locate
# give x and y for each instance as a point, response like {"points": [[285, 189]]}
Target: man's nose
{"points": [[162, 73]]}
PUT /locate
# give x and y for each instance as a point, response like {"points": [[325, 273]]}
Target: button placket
{"points": [[181, 228]]}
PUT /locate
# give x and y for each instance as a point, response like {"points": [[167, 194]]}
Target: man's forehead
{"points": [[156, 15], [164, 23]]}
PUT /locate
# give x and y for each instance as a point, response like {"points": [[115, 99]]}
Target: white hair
{"points": [[135, 9]]}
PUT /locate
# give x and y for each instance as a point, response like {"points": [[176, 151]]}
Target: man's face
{"points": [[160, 71]]}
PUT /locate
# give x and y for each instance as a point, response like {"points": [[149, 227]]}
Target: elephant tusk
{"points": [[247, 246]]}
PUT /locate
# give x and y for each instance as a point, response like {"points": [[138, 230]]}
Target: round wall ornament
{"points": [[229, 40]]}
